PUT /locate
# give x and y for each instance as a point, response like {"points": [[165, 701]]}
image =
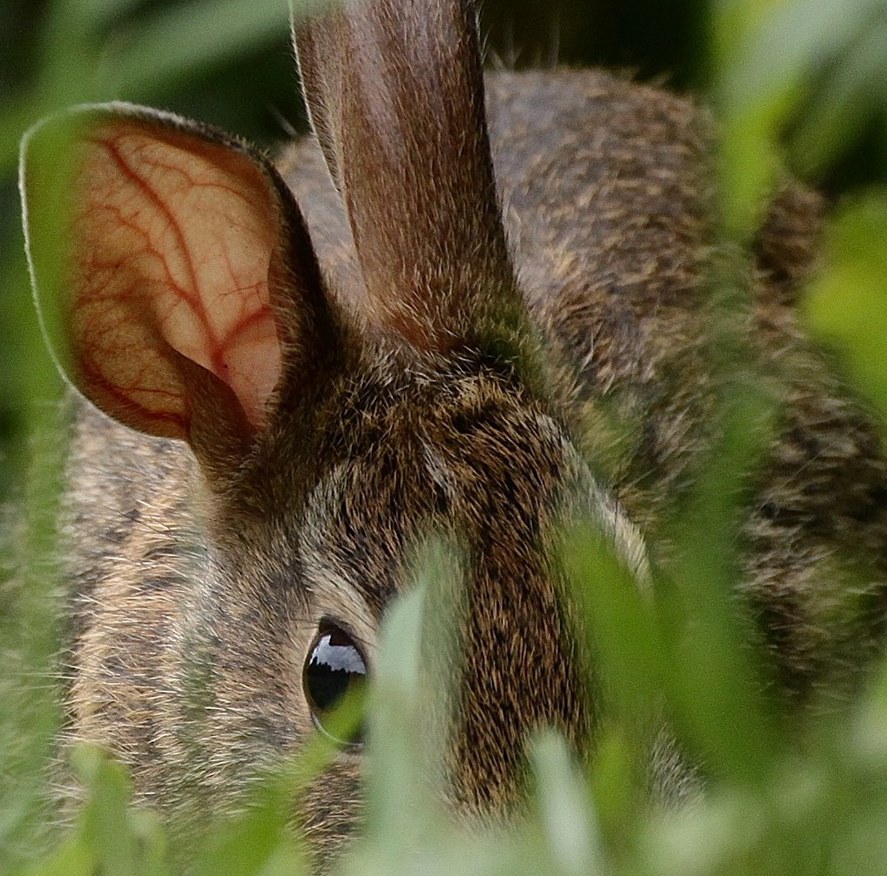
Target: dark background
{"points": [[656, 39]]}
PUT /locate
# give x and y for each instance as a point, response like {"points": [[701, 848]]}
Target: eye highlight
{"points": [[334, 670]]}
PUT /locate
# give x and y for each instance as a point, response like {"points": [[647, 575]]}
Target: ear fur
{"points": [[173, 272], [396, 98]]}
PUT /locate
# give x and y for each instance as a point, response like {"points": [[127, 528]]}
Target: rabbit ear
{"points": [[172, 269], [395, 93]]}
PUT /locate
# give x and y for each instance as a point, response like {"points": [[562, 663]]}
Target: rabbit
{"points": [[423, 317]]}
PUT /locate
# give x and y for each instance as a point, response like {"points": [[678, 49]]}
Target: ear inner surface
{"points": [[180, 284], [173, 248], [395, 92]]}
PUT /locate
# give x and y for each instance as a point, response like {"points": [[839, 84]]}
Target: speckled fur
{"points": [[194, 608]]}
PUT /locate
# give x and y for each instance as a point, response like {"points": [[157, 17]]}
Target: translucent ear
{"points": [[171, 268]]}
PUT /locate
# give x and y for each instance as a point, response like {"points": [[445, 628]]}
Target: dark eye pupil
{"points": [[334, 668]]}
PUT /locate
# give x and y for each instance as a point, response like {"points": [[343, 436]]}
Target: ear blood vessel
{"points": [[289, 375]]}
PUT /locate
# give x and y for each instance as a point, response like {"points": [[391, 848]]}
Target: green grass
{"points": [[777, 806]]}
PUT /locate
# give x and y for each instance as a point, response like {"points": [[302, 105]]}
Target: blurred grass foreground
{"points": [[802, 82]]}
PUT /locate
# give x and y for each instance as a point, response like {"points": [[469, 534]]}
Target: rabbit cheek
{"points": [[331, 811], [235, 685], [254, 712]]}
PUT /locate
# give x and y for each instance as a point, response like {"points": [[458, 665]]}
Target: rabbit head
{"points": [[288, 453]]}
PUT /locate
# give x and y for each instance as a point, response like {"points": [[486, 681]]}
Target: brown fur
{"points": [[196, 597]]}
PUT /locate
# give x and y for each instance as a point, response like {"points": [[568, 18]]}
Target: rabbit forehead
{"points": [[490, 470]]}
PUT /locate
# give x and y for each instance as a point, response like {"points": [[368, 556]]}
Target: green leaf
{"points": [[713, 682], [564, 809], [846, 305], [184, 39]]}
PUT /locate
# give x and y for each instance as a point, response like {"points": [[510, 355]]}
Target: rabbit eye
{"points": [[334, 668]]}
